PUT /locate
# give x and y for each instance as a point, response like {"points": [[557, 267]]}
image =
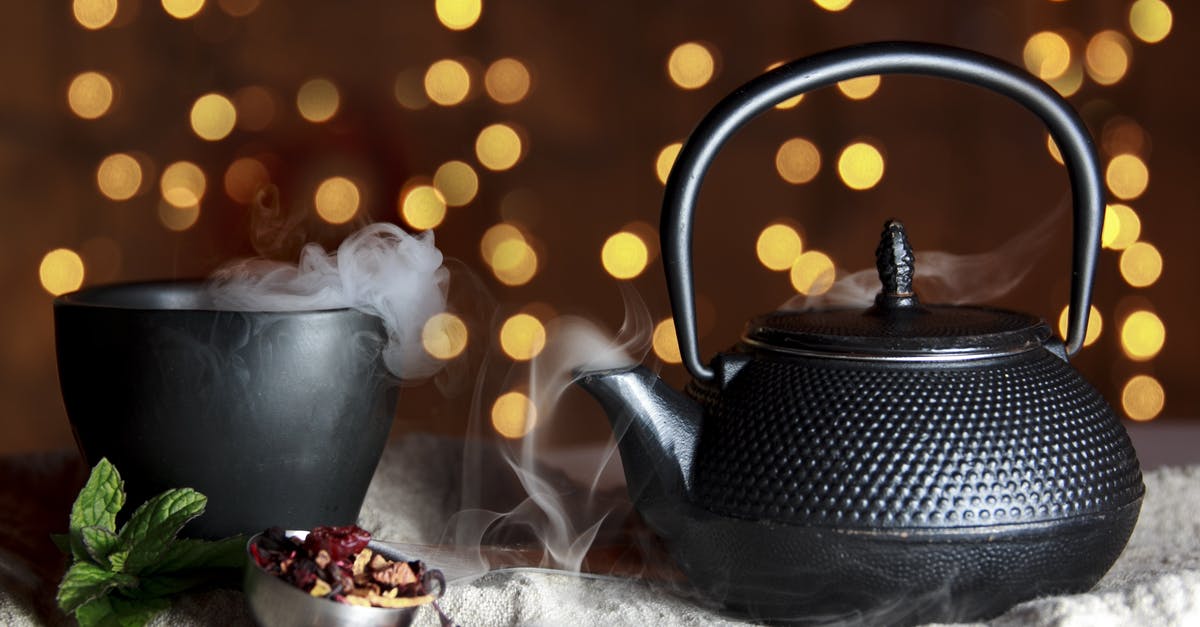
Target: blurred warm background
{"points": [[533, 138]]}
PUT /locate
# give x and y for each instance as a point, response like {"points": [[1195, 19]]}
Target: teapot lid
{"points": [[898, 326]]}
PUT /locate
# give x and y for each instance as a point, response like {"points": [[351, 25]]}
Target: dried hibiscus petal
{"points": [[340, 542]]}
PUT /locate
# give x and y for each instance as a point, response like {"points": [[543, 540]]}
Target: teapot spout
{"points": [[657, 429]]}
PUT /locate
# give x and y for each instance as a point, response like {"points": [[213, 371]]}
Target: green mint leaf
{"points": [[159, 586], [153, 526], [85, 581], [97, 613], [188, 554], [97, 505], [116, 560], [136, 613], [99, 543]]}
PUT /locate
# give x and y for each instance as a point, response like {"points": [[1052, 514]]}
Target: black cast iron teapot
{"points": [[905, 463]]}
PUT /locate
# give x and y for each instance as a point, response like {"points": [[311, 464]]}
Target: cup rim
{"points": [[88, 298]]}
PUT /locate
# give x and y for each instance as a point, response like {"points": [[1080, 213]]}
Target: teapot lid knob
{"points": [[894, 261]]}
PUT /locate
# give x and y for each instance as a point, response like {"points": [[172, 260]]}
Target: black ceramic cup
{"points": [[279, 418]]}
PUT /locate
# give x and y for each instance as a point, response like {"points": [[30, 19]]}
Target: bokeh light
{"points": [[1107, 57], [1143, 397], [860, 166], [1127, 176], [691, 65], [90, 95], [790, 102], [213, 117], [778, 247], [457, 182], [182, 9], [238, 8], [1052, 148], [458, 14], [1142, 335], [514, 262], [1150, 20], [833, 5], [336, 199], [1122, 134], [1129, 226], [119, 176], [666, 342], [797, 160], [1070, 82], [666, 160], [255, 108], [447, 82], [182, 184], [409, 89], [860, 88], [624, 255], [813, 273], [444, 336], [498, 147], [507, 81], [1047, 55], [318, 100], [177, 218], [1095, 325], [513, 415], [94, 14], [522, 337], [61, 271], [422, 207], [244, 177], [1141, 264], [1111, 227], [495, 236]]}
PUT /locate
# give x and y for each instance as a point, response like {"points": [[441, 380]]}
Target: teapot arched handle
{"points": [[764, 92]]}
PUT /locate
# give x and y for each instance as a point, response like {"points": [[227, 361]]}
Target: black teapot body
{"points": [[896, 464]]}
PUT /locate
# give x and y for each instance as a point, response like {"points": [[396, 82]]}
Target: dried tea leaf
{"points": [[320, 588], [379, 562], [396, 574], [322, 559], [360, 562], [354, 600]]}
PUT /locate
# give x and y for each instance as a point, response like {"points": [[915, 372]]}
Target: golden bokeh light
{"points": [[213, 117], [1129, 226], [457, 182], [1141, 264], [177, 218], [336, 199], [860, 88], [1143, 397], [691, 65], [1127, 176], [182, 184], [514, 262], [409, 89], [1142, 335], [1047, 55], [119, 176], [447, 82], [790, 102], [666, 342], [1070, 82], [1095, 325], [61, 271], [444, 336], [513, 415], [860, 165], [797, 161], [1052, 148], [422, 207], [498, 147], [1107, 57], [778, 247], [507, 81], [90, 95], [666, 160], [495, 236], [813, 273], [238, 8], [255, 108], [1122, 134], [624, 255], [1150, 20], [182, 9], [458, 14], [833, 5], [94, 14], [1110, 227], [318, 100], [522, 337], [244, 177]]}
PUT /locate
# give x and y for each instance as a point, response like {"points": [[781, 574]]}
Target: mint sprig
{"points": [[124, 577]]}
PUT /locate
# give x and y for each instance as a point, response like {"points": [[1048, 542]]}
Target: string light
{"points": [[318, 100], [336, 200], [244, 177], [797, 161], [1127, 176], [859, 88], [1150, 20], [422, 207], [1095, 325], [409, 89], [498, 147], [666, 160], [495, 236], [444, 336], [1142, 335], [213, 117], [178, 218], [1069, 82], [1129, 226], [507, 81], [119, 176], [778, 247], [458, 14], [833, 5], [447, 82], [94, 14], [61, 271], [238, 8], [514, 262], [624, 255], [1107, 57], [1052, 147], [666, 342], [182, 9], [255, 108], [691, 65], [1143, 397], [790, 102], [513, 415], [1047, 55], [90, 95], [860, 166], [1141, 264], [522, 337], [457, 182], [183, 184], [813, 273]]}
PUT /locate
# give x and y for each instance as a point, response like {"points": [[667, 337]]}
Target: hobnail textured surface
{"points": [[1020, 439]]}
